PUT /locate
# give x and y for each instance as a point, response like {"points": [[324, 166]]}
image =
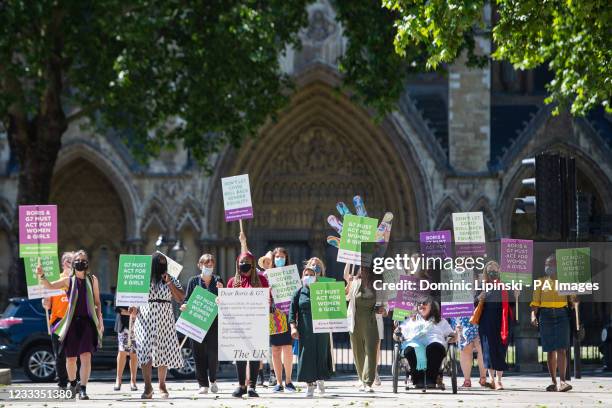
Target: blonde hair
{"points": [[206, 257], [314, 260], [77, 253], [485, 269]]}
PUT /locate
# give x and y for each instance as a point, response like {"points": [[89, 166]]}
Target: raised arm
{"points": [[58, 284], [243, 243]]}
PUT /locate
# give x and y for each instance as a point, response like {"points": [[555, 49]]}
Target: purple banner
{"points": [[457, 310], [516, 255], [283, 307], [436, 244], [239, 214], [37, 224], [406, 294], [472, 249]]}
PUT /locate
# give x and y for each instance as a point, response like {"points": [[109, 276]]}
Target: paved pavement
{"points": [[521, 391]]}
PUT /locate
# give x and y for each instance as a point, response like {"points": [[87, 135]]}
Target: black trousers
{"points": [[206, 359], [60, 361], [253, 372], [435, 354]]}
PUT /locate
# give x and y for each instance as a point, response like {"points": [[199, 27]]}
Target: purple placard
{"points": [[516, 255], [283, 307], [37, 224], [404, 299], [457, 310], [436, 244], [239, 214], [465, 249]]}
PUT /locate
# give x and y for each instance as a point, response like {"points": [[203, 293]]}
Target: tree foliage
{"points": [[205, 72], [572, 36]]}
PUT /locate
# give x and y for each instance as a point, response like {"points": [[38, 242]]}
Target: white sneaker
{"points": [[309, 391], [368, 388], [203, 390], [359, 384], [377, 380], [321, 385], [214, 388], [362, 387]]}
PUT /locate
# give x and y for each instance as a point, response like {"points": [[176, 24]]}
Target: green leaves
{"points": [[573, 37]]}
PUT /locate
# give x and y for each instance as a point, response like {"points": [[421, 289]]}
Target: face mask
{"points": [[316, 269], [308, 280], [81, 265], [244, 268], [549, 270], [279, 262], [207, 271]]}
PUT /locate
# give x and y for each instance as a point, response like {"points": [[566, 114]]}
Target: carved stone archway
{"points": [[322, 150], [91, 217]]}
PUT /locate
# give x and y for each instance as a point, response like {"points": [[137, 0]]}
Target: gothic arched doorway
{"points": [[322, 150], [91, 217]]}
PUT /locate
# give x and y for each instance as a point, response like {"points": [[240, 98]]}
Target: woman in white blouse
{"points": [[425, 338]]}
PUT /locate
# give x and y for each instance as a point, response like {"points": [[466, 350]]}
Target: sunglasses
{"points": [[422, 303]]}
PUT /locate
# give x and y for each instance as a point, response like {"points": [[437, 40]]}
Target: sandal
{"points": [[499, 386], [164, 392], [482, 382], [551, 388], [564, 387], [147, 395], [467, 384]]}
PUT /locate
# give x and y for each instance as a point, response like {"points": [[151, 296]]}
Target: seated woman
{"points": [[425, 338]]}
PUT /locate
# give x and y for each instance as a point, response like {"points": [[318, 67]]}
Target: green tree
{"points": [[572, 36], [202, 72]]}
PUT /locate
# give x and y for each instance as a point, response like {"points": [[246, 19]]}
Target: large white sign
{"points": [[244, 320], [284, 281]]}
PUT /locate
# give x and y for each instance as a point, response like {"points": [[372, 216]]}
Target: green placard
{"points": [[401, 314], [200, 314], [573, 266], [328, 307], [355, 231], [133, 280], [51, 269], [35, 250], [325, 279]]}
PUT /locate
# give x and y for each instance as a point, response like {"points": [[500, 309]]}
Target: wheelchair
{"points": [[448, 367]]}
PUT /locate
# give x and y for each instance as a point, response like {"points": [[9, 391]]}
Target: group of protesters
{"points": [[147, 335]]}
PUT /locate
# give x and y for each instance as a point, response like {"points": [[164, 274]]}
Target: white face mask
{"points": [[207, 271], [308, 280]]}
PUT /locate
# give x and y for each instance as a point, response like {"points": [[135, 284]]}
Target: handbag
{"points": [[278, 322], [475, 319]]}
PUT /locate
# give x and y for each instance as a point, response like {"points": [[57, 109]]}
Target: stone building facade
{"points": [[454, 143]]}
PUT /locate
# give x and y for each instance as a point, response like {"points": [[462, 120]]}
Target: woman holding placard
{"points": [[314, 357], [363, 329], [246, 277], [282, 351], [80, 330], [549, 312], [205, 353], [494, 327], [156, 339]]}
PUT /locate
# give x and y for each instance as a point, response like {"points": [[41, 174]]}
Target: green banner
{"points": [[401, 314], [51, 269], [325, 279], [328, 307], [200, 314], [355, 231], [133, 280], [573, 269]]}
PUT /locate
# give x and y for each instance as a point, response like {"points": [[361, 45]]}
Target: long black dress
{"points": [[314, 357], [489, 329]]}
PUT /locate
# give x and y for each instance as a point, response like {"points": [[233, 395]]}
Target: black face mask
{"points": [[81, 265], [244, 267]]}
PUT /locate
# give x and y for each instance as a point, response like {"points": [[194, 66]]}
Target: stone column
{"points": [[469, 110]]}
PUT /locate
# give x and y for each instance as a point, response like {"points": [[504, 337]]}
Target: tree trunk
{"points": [[36, 146]]}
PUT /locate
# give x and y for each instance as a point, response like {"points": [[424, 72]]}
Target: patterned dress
{"points": [[470, 331], [156, 337]]}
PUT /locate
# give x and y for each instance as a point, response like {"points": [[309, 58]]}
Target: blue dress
{"points": [[470, 331]]}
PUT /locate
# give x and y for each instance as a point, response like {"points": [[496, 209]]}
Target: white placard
{"points": [[244, 321], [174, 268], [468, 227], [237, 197]]}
